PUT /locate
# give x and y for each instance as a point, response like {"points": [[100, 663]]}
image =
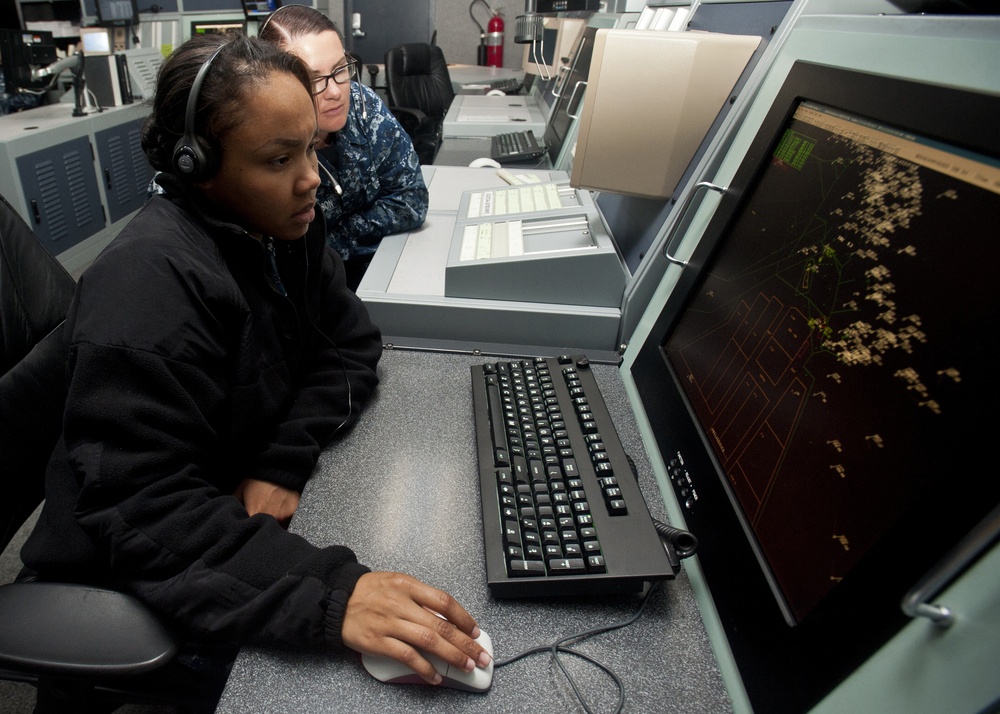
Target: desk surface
{"points": [[401, 490]]}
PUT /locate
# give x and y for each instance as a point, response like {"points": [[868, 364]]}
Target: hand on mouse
{"points": [[393, 614]]}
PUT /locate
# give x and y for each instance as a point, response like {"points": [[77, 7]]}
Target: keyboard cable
{"points": [[561, 646], [679, 544]]}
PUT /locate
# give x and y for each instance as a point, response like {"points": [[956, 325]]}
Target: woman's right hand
{"points": [[393, 614]]}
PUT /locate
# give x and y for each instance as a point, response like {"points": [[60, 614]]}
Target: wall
{"points": [[457, 34]]}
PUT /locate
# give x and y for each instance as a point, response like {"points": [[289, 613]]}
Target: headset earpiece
{"points": [[192, 159]]}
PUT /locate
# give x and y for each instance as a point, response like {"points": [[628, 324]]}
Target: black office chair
{"points": [[418, 91], [85, 649]]}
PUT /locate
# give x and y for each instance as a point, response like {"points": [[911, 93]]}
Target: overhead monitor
{"points": [[638, 132], [217, 27], [117, 13], [259, 9], [546, 58], [817, 381]]}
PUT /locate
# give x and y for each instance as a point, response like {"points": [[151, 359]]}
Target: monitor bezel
{"points": [[784, 668], [118, 21]]}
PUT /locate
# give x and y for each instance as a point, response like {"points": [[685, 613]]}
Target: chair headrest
{"points": [[416, 58]]}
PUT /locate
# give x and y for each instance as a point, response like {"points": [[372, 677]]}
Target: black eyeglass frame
{"points": [[352, 71]]}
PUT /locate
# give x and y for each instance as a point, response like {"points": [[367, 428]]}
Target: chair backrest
{"points": [[35, 289], [416, 76], [35, 292], [84, 648]]}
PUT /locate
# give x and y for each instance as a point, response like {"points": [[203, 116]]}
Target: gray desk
{"points": [[401, 490]]}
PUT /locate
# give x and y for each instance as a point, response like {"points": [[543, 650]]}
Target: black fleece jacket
{"points": [[189, 372]]}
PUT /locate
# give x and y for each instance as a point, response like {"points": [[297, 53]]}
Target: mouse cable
{"points": [[561, 646]]}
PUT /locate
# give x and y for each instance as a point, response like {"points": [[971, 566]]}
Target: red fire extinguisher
{"points": [[494, 41]]}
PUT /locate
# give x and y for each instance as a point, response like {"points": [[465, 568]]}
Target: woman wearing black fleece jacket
{"points": [[214, 351]]}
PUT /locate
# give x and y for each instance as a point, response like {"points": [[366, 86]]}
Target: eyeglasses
{"points": [[342, 75]]}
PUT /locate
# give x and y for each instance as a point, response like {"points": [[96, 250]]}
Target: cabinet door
{"points": [[123, 168], [383, 24], [61, 194]]}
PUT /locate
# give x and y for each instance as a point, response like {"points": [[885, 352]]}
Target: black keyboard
{"points": [[516, 146], [507, 86], [562, 510]]}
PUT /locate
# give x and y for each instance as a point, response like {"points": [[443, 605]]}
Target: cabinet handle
{"points": [[557, 91], [35, 212], [572, 96], [107, 178], [915, 603], [706, 185]]}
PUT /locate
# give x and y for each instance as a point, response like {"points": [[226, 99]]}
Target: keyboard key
{"points": [[526, 567], [567, 566]]}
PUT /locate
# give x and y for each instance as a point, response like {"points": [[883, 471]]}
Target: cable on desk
{"points": [[561, 646]]}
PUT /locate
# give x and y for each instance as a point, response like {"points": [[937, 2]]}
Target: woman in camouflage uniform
{"points": [[372, 185]]}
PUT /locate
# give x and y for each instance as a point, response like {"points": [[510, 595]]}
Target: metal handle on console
{"points": [[560, 81], [915, 602], [572, 97], [687, 204], [557, 90]]}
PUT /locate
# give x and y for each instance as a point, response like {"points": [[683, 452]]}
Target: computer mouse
{"points": [[484, 161], [386, 669]]}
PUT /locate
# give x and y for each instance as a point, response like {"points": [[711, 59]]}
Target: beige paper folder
{"points": [[651, 99]]}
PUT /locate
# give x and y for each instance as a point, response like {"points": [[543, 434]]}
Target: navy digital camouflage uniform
{"points": [[373, 161]]}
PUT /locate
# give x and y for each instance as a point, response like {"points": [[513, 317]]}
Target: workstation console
{"points": [[812, 360], [553, 296]]}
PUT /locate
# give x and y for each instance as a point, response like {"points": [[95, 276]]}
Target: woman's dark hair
{"points": [[242, 64], [289, 22]]}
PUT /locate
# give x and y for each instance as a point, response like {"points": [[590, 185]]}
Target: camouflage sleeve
{"points": [[401, 200]]}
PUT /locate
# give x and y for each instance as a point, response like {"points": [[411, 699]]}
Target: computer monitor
{"points": [[20, 52], [820, 380], [95, 41], [568, 95], [217, 27], [546, 58], [117, 13], [259, 9]]}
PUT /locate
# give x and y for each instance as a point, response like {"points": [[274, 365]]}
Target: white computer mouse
{"points": [[484, 161], [386, 669], [496, 93]]}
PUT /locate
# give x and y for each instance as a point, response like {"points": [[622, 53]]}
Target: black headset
{"points": [[193, 159]]}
